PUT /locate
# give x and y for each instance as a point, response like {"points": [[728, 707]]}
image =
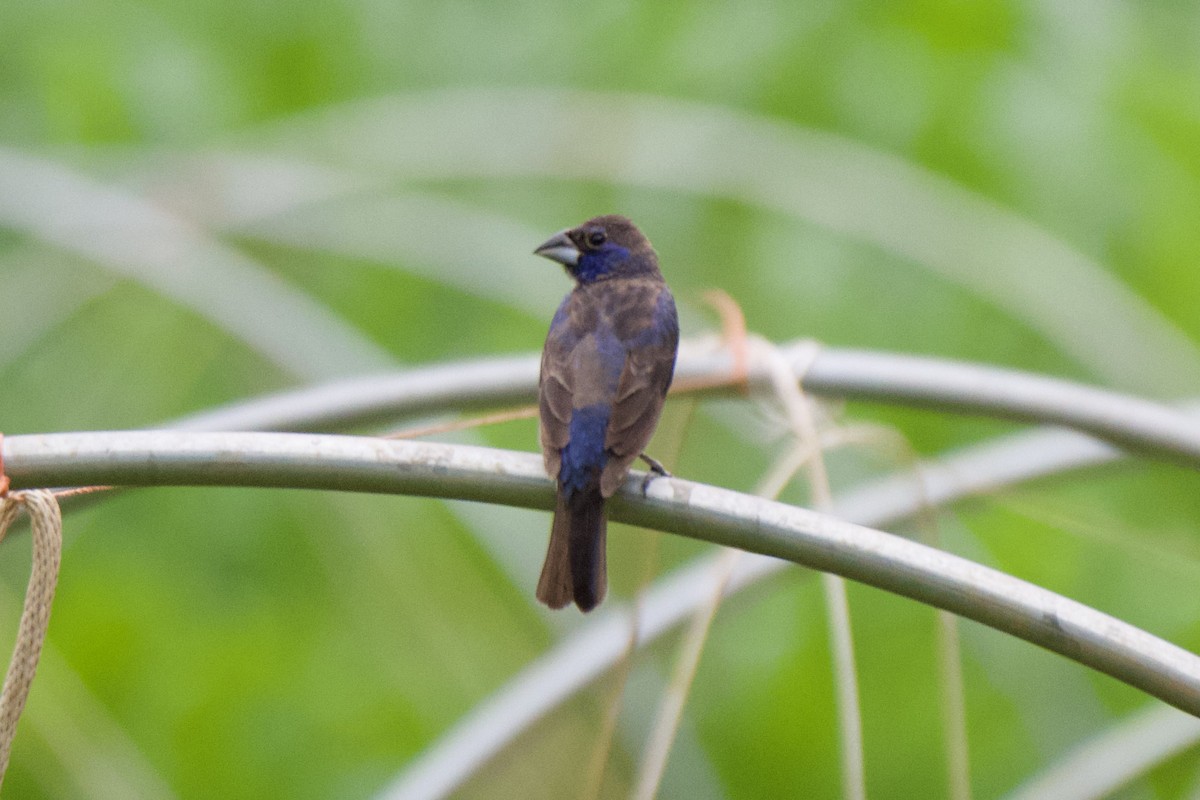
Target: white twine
{"points": [[46, 522]]}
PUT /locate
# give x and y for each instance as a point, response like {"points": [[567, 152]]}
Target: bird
{"points": [[606, 367]]}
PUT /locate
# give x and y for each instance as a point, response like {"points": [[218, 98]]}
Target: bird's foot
{"points": [[657, 470]]}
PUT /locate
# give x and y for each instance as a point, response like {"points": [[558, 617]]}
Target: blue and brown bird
{"points": [[606, 368]]}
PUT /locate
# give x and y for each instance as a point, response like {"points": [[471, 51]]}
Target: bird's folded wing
{"points": [[640, 396], [554, 401]]}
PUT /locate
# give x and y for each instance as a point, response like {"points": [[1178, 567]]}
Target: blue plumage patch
{"points": [[596, 263], [584, 456]]}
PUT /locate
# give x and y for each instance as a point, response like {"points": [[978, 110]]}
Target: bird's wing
{"points": [[649, 367], [555, 400]]}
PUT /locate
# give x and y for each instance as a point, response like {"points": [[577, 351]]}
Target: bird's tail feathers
{"points": [[588, 546], [576, 564], [554, 586]]}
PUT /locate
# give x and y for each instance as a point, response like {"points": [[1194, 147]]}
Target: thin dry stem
{"points": [[803, 424], [467, 423]]}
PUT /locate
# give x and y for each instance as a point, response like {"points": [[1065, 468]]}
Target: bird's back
{"points": [[612, 344]]}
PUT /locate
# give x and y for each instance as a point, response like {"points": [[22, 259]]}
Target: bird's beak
{"points": [[560, 248]]}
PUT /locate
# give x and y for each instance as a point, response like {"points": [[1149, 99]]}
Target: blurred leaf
{"points": [[200, 202]]}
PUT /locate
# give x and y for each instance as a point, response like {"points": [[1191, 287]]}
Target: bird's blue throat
{"points": [[595, 264]]}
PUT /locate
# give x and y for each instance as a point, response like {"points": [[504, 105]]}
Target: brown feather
{"points": [[639, 400], [588, 548], [554, 587], [554, 408]]}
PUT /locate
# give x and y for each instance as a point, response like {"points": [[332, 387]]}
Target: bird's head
{"points": [[601, 248]]}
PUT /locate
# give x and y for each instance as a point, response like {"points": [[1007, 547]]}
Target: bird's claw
{"points": [[657, 470]]}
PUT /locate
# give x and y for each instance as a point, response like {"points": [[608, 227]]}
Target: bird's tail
{"points": [[576, 564]]}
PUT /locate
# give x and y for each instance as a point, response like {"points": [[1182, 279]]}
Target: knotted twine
{"points": [[46, 522]]}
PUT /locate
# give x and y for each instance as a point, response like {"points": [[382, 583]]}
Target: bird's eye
{"points": [[596, 238]]}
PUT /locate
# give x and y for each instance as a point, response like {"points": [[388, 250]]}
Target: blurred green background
{"points": [[206, 201]]}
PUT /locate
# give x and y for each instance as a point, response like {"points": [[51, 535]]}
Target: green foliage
{"points": [[249, 644]]}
